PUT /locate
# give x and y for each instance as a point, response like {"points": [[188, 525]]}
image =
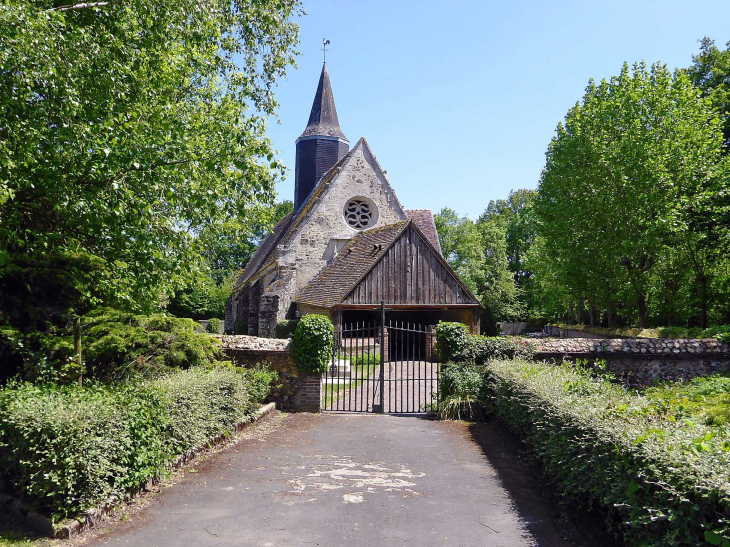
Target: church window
{"points": [[360, 214]]}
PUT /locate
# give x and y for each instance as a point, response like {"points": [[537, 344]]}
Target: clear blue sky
{"points": [[459, 100]]}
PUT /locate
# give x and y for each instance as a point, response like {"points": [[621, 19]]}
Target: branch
{"points": [[83, 5]]}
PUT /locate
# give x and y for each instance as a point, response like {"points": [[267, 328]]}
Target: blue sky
{"points": [[459, 100]]}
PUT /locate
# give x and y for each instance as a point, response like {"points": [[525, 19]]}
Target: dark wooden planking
{"points": [[409, 273]]}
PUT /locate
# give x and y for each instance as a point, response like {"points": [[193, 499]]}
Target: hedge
{"points": [[66, 449], [657, 479], [313, 343], [454, 343], [286, 328]]}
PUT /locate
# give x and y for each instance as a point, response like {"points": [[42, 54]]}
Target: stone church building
{"points": [[348, 244]]}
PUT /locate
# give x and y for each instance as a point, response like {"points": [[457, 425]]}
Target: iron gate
{"points": [[385, 370]]}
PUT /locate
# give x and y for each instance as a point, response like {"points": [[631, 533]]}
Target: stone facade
{"points": [[267, 296], [295, 392], [644, 361]]}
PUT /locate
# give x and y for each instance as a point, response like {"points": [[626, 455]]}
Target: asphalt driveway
{"points": [[338, 479]]}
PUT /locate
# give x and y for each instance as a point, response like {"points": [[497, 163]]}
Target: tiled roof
{"points": [[360, 254], [423, 218], [323, 117], [263, 253]]}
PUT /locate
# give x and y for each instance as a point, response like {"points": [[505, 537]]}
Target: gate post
{"points": [[382, 356]]}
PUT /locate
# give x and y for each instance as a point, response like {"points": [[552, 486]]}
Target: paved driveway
{"points": [[337, 479]]}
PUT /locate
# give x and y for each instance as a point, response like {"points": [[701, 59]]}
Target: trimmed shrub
{"points": [[365, 359], [658, 479], [213, 326], [285, 329], [66, 449], [123, 345], [313, 343], [454, 343], [451, 340]]}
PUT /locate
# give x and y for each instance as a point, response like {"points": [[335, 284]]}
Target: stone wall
{"points": [[296, 392], [643, 361]]}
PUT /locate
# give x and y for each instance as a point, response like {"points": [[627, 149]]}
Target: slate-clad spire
{"points": [[321, 145], [323, 118]]}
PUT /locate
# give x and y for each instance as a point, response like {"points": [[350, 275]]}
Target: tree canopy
{"points": [[132, 131]]}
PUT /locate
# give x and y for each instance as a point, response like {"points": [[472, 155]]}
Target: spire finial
{"points": [[325, 43]]}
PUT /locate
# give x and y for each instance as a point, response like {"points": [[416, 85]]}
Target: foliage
{"points": [[259, 379], [477, 253], [630, 202], [202, 298], [36, 294], [364, 359], [65, 449], [121, 345], [454, 343], [313, 343], [658, 476], [214, 326], [451, 339], [131, 128], [710, 72], [285, 329], [462, 392]]}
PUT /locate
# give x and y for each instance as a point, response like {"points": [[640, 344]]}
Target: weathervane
{"points": [[325, 43]]}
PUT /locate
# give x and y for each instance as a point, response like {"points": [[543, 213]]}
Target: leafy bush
{"points": [[313, 343], [657, 479], [118, 344], [259, 379], [451, 339], [285, 329], [214, 326], [365, 359], [454, 343], [65, 449], [462, 392], [536, 324]]}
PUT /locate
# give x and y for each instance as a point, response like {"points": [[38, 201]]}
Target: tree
{"points": [[710, 72], [461, 246], [128, 129], [624, 178], [478, 254]]}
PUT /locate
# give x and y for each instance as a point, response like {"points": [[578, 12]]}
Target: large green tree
{"points": [[710, 72], [635, 164], [130, 130]]}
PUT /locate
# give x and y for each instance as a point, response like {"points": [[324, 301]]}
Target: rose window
{"points": [[358, 213]]}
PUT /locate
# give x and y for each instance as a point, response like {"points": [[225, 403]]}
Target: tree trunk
{"points": [[703, 299], [592, 313], [572, 313], [641, 305], [610, 313]]}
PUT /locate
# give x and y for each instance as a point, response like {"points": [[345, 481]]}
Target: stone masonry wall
{"points": [[643, 361], [296, 392]]}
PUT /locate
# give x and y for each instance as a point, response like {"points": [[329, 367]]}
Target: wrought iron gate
{"points": [[384, 370]]}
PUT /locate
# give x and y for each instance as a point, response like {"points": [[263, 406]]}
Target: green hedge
{"points": [[659, 480], [65, 449], [454, 343], [285, 329], [213, 326], [313, 343]]}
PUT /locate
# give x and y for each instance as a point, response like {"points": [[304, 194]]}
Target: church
{"points": [[348, 244]]}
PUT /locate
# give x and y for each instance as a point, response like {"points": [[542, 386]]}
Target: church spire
{"points": [[323, 117], [321, 145]]}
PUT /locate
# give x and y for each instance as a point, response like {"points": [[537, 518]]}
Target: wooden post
{"points": [[77, 344]]}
